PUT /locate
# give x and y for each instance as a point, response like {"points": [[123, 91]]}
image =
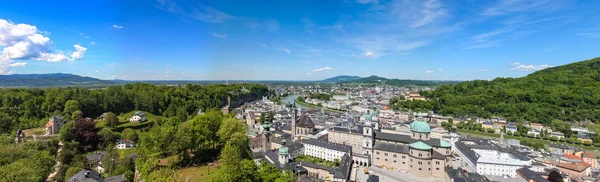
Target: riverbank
{"points": [[592, 149], [312, 106]]}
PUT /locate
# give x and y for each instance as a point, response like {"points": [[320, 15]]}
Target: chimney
{"points": [[87, 174]]}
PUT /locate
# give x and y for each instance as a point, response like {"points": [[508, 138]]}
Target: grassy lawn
{"points": [[493, 135], [149, 116], [192, 174], [123, 153]]}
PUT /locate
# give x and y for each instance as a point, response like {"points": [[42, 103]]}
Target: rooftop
{"points": [[328, 145], [420, 145]]}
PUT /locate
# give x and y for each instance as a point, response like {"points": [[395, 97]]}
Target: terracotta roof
{"points": [[49, 123], [572, 157], [580, 166], [588, 155]]}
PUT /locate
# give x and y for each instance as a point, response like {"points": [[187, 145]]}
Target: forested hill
{"points": [[570, 92], [396, 82], [26, 108], [49, 80]]}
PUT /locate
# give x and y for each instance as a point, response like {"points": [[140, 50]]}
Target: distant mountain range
{"points": [[50, 80], [378, 80], [64, 80], [342, 78]]}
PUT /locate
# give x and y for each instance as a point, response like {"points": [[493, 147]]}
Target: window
{"points": [[405, 163], [385, 154], [420, 155], [437, 168], [410, 160], [395, 156], [386, 160], [429, 162], [377, 153], [395, 161], [403, 157], [420, 169], [420, 163], [377, 158]]}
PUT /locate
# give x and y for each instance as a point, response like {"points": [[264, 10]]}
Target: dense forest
{"points": [[26, 108], [568, 93], [180, 139]]}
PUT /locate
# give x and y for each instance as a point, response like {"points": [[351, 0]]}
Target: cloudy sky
{"points": [[297, 39]]}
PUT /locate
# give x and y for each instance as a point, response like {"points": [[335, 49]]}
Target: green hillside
{"points": [[396, 82], [570, 92]]}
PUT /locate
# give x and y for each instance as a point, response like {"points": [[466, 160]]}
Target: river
{"points": [[291, 99]]}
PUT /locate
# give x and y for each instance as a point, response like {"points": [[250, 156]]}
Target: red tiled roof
{"points": [[580, 166], [49, 123], [588, 155], [572, 157]]}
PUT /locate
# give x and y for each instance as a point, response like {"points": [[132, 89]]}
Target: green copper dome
{"points": [[283, 150], [444, 144], [420, 146], [420, 126]]}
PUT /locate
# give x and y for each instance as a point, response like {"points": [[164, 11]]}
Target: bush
{"points": [[587, 143], [578, 142], [491, 131]]}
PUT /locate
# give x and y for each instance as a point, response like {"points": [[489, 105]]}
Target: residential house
{"points": [[575, 170], [533, 132], [511, 128], [137, 117], [584, 137], [54, 124], [125, 144], [486, 125], [536, 126], [590, 159], [558, 135], [86, 175]]}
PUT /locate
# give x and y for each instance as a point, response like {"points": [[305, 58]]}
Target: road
{"points": [[57, 165]]}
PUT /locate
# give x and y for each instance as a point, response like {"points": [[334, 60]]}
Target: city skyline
{"points": [[296, 40]]}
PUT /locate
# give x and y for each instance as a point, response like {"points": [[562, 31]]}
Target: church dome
{"points": [[283, 150], [420, 126]]}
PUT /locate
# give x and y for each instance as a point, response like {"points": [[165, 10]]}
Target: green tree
{"points": [[229, 127], [76, 115], [66, 132], [111, 119], [107, 137], [71, 106]]}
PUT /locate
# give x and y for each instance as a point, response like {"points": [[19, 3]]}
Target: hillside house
{"points": [[137, 117], [54, 125]]}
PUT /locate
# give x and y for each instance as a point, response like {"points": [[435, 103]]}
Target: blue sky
{"points": [[296, 40]]}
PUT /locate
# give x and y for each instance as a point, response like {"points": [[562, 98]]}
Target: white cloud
{"points": [[272, 25], [480, 70], [222, 36], [429, 71], [18, 64], [440, 69], [515, 6], [93, 43], [432, 10], [369, 54], [96, 71], [366, 1], [278, 48], [25, 42], [320, 70], [196, 11], [117, 26], [530, 67]]}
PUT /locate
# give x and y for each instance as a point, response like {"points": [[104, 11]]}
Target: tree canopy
{"points": [[568, 93]]}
